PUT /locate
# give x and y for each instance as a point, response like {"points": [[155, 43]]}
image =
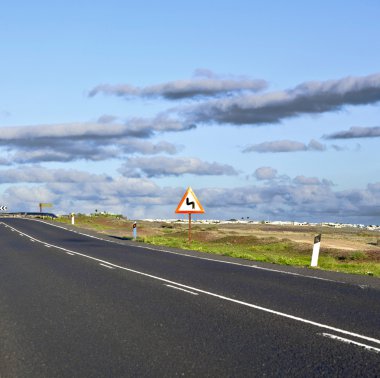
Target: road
{"points": [[72, 305]]}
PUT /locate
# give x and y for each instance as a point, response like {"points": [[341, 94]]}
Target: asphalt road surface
{"points": [[72, 305]]}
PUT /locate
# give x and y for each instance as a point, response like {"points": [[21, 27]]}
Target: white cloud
{"points": [[301, 198]]}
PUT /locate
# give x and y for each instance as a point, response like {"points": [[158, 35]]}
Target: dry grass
{"points": [[347, 249]]}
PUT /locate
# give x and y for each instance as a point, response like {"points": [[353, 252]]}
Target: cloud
{"points": [[301, 198], [38, 174], [204, 83], [314, 97], [89, 141], [356, 132], [134, 127], [284, 146], [81, 192], [314, 145], [302, 180], [265, 173], [60, 151], [5, 114], [165, 166]]}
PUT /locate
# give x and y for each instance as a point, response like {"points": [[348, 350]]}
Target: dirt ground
{"points": [[342, 239]]}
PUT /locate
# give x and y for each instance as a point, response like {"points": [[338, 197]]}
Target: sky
{"points": [[268, 110]]}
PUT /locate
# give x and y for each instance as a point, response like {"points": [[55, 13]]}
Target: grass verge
{"points": [[284, 252], [263, 243]]}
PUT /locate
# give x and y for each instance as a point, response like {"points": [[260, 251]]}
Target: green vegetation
{"points": [[284, 252], [264, 243]]}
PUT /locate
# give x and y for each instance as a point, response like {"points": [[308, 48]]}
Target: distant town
{"points": [[277, 223]]}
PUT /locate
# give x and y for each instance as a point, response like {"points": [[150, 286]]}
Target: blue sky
{"points": [[268, 110]]}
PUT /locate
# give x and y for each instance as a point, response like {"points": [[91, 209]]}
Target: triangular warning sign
{"points": [[189, 204]]}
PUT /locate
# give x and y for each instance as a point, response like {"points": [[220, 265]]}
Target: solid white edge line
{"points": [[348, 341], [179, 288], [250, 305], [193, 257]]}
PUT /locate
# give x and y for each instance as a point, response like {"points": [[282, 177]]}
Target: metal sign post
{"points": [[41, 205], [189, 204]]}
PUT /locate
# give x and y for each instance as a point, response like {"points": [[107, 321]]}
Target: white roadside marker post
{"points": [[315, 255], [72, 219], [134, 228]]}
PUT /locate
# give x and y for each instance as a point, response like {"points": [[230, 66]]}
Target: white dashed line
{"points": [[228, 299], [348, 341], [194, 257], [179, 288], [107, 266]]}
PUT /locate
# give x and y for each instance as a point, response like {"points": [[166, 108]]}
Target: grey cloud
{"points": [[130, 146], [37, 174], [5, 114], [165, 166], [64, 143], [107, 118], [314, 145], [306, 98], [356, 132], [338, 148], [205, 83], [284, 146], [302, 180], [58, 151], [135, 127], [304, 199], [204, 72]]}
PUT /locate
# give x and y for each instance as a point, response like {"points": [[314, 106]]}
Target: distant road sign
{"points": [[45, 205], [3, 208], [189, 204]]}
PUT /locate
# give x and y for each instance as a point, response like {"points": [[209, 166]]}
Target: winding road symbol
{"points": [[188, 203]]}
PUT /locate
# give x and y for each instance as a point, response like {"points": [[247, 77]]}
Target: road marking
{"points": [[179, 288], [107, 266], [348, 341], [47, 246], [228, 299], [31, 240], [194, 257], [70, 253]]}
